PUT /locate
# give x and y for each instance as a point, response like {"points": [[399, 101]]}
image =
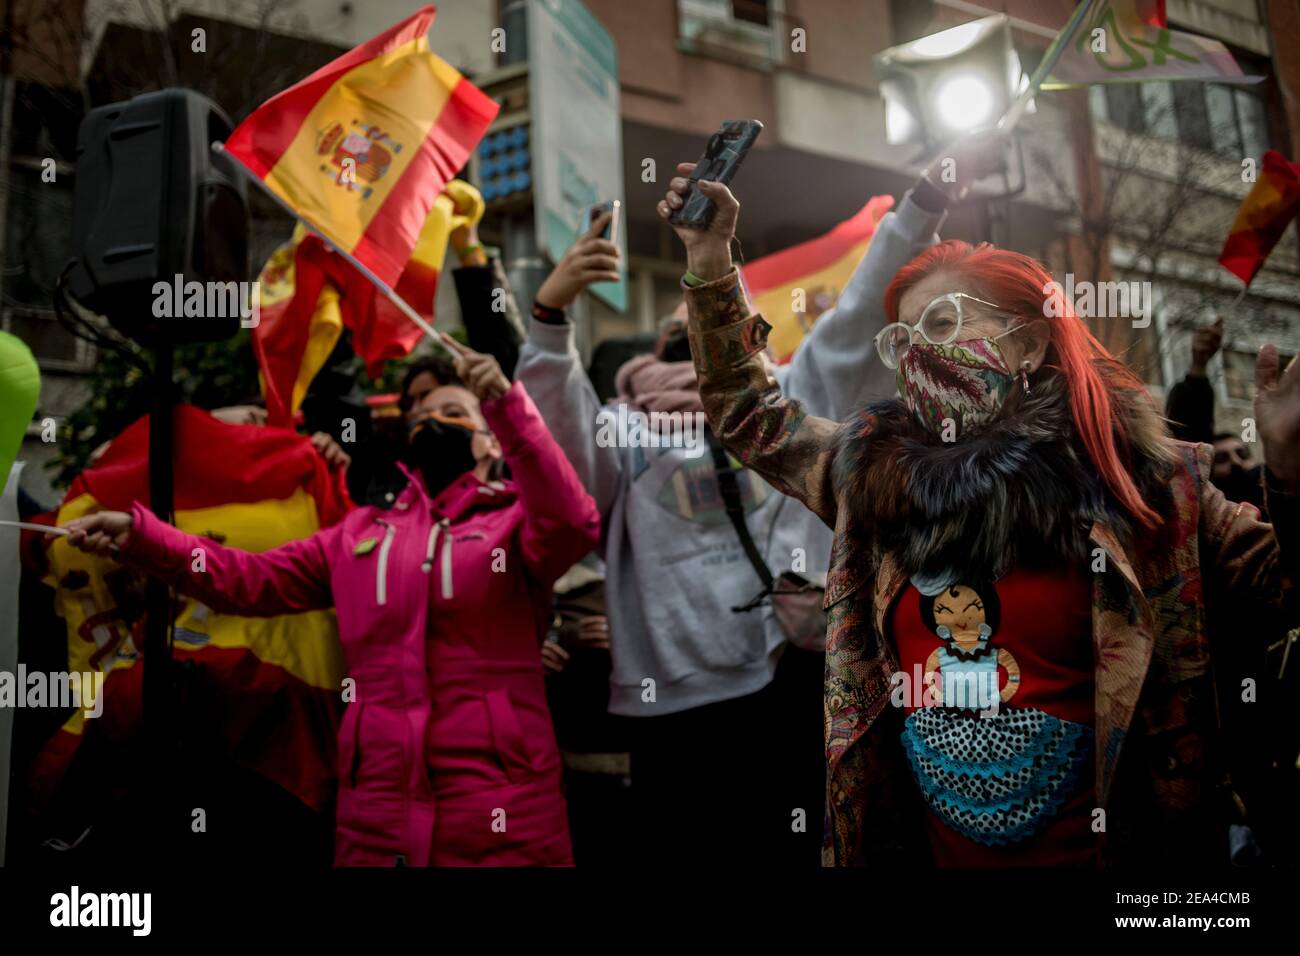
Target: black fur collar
{"points": [[1018, 490]]}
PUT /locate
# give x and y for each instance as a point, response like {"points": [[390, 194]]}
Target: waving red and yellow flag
{"points": [[277, 679], [361, 148], [309, 295], [1264, 215], [299, 323], [791, 288]]}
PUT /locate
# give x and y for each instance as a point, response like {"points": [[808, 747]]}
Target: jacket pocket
{"points": [[508, 740]]}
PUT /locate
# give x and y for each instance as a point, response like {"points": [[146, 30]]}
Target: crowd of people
{"points": [[945, 588]]}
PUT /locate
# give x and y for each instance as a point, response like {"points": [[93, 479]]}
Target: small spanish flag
{"points": [[362, 147], [791, 288], [1270, 205], [309, 295]]}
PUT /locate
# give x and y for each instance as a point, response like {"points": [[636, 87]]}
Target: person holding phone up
{"points": [[676, 569], [1023, 511]]}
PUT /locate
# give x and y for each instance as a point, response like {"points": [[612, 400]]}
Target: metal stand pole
{"points": [[157, 692]]}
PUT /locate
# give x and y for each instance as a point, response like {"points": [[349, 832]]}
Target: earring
{"points": [[1024, 375]]}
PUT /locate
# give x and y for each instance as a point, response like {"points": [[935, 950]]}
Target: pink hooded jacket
{"points": [[446, 755]]}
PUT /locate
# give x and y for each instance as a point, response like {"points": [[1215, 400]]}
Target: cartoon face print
{"points": [[961, 615], [964, 617]]}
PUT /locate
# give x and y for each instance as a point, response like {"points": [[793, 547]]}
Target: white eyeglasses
{"points": [[940, 324]]}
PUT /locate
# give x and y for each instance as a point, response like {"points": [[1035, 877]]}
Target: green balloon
{"points": [[20, 386]]}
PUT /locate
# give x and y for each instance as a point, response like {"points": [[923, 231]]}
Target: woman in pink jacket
{"points": [[446, 752]]}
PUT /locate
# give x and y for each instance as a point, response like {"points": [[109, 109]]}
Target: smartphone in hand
{"points": [[611, 206], [723, 155]]}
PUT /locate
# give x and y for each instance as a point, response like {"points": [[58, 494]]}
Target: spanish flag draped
{"points": [[1270, 205], [791, 288], [309, 294], [361, 148], [277, 680]]}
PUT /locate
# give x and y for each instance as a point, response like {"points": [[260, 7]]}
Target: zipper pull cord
{"points": [[446, 559], [427, 565]]}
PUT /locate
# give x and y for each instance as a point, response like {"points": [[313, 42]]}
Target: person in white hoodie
{"points": [[727, 745]]}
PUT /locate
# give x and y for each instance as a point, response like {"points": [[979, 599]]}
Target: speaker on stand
{"points": [[160, 227]]}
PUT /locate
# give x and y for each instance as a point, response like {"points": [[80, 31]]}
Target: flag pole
{"points": [[442, 338], [1016, 110]]}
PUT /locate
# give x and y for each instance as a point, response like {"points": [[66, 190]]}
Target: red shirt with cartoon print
{"points": [[1043, 620]]}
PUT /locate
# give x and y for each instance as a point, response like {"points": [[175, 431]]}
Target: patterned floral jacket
{"points": [[1158, 774]]}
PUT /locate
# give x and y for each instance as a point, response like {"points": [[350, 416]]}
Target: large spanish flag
{"points": [[310, 294], [277, 680], [1264, 215], [811, 274], [361, 148]]}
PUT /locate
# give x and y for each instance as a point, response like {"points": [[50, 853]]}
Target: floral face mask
{"points": [[966, 382]]}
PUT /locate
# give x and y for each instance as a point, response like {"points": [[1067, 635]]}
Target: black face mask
{"points": [[441, 451], [677, 348]]}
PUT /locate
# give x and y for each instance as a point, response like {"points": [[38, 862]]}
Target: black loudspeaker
{"points": [[152, 203]]}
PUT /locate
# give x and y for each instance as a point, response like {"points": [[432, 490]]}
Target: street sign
{"points": [[577, 134]]}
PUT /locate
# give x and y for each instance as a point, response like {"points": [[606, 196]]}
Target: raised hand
{"points": [[330, 450], [967, 160], [708, 251], [589, 260], [468, 207], [1277, 416], [1205, 342], [481, 374]]}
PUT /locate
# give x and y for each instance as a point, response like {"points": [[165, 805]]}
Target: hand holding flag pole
{"points": [[45, 529]]}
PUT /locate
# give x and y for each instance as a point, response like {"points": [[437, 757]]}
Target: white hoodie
{"points": [[675, 567]]}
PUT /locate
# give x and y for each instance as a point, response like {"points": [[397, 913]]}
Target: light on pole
{"points": [[949, 83]]}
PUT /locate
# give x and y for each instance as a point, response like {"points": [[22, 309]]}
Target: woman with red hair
{"points": [[1018, 671]]}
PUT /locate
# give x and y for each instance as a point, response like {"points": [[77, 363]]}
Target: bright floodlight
{"points": [[958, 80], [964, 102]]}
